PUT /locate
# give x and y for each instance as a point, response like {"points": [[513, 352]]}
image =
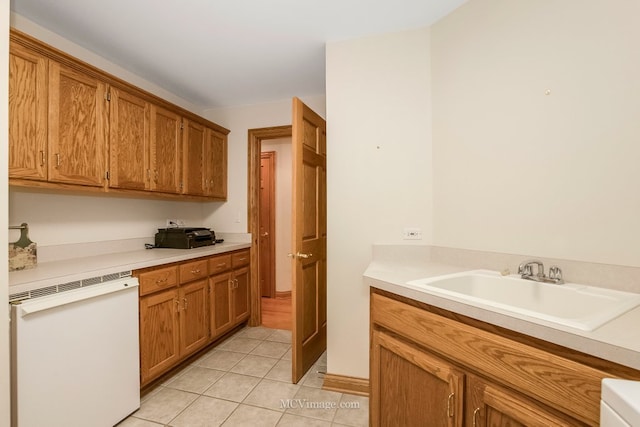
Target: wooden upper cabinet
{"points": [[166, 150], [73, 126], [77, 128], [27, 113], [194, 158], [129, 141], [215, 172]]}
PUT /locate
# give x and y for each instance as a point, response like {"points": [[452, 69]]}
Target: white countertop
{"points": [[70, 270], [617, 340]]}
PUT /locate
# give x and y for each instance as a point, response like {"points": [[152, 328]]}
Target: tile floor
{"points": [[246, 381]]}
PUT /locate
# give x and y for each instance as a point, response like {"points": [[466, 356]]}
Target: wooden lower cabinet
{"points": [[437, 368], [159, 334], [240, 294], [220, 303], [229, 300], [411, 387], [194, 317], [186, 306], [491, 405]]}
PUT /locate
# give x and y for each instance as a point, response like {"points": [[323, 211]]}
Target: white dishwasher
{"points": [[74, 357], [620, 403]]}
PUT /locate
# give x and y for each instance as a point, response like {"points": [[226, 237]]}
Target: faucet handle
{"points": [[555, 273], [524, 269]]}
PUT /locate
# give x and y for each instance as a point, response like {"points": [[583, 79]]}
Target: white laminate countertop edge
{"points": [[617, 341], [70, 270]]}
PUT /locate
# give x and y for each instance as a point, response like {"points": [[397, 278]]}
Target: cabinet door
{"points": [[240, 294], [194, 326], [194, 158], [216, 165], [492, 406], [166, 149], [27, 114], [412, 388], [220, 304], [128, 141], [159, 334], [77, 127]]}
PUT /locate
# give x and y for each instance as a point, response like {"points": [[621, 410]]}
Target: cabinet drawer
{"points": [[155, 280], [193, 270], [219, 264], [240, 259]]}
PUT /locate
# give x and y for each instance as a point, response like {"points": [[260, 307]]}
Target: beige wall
{"points": [[378, 173], [520, 171], [283, 180], [231, 216], [4, 275]]}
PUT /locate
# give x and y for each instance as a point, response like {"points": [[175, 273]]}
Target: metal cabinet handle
{"points": [[161, 280], [265, 234], [185, 303], [303, 256], [177, 306], [42, 158], [221, 265], [475, 417], [196, 271], [450, 405], [58, 161]]}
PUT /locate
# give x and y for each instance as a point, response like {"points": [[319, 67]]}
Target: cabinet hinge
{"points": [[107, 175], [107, 96]]}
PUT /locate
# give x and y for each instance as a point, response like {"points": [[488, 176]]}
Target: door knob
{"points": [[300, 255]]}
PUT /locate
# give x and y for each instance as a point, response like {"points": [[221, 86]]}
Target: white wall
{"points": [[283, 201], [56, 219], [4, 242], [232, 215], [519, 171], [378, 173]]}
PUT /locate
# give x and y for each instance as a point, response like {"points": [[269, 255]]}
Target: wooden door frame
{"points": [[255, 138], [271, 156]]}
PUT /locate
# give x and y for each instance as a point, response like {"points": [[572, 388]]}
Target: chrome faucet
{"points": [[525, 270]]}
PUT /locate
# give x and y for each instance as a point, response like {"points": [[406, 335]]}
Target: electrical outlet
{"points": [[175, 223], [412, 234]]}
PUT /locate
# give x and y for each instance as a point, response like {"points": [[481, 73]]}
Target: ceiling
{"points": [[220, 53]]}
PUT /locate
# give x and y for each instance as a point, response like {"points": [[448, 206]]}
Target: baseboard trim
{"points": [[346, 384], [283, 294]]}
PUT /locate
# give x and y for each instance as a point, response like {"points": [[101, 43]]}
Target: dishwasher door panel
{"points": [[75, 357]]}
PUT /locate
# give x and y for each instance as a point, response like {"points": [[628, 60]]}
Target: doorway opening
{"points": [[275, 233], [271, 274]]}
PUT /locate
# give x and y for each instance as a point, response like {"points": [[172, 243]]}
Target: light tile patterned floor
{"points": [[246, 381]]}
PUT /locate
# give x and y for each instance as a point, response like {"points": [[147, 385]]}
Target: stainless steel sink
{"points": [[573, 305]]}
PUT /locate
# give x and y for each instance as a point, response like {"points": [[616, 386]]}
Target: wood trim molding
{"points": [[346, 384], [283, 294], [255, 138]]}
